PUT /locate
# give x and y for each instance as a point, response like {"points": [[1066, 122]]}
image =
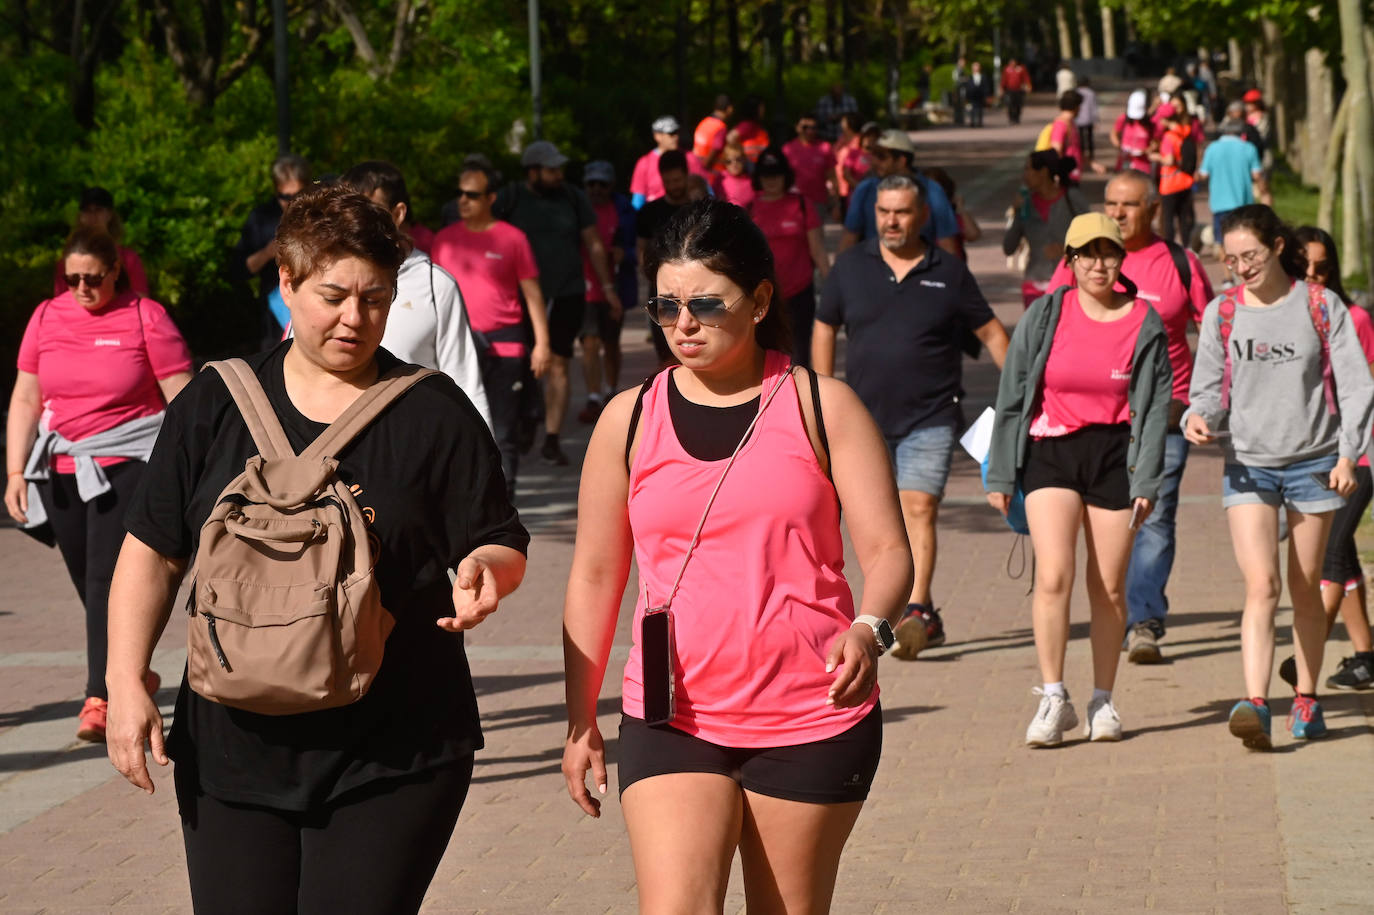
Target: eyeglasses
{"points": [[1251, 258], [473, 195], [709, 310], [92, 280], [734, 161], [1107, 260]]}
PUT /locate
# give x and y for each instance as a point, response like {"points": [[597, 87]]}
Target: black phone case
{"points": [[656, 655]]}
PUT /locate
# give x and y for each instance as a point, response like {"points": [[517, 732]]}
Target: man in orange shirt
{"points": [[708, 140], [1177, 158]]}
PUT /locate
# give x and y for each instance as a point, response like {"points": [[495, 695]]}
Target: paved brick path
{"points": [[1176, 818]]}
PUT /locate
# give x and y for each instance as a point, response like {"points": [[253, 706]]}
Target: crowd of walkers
{"points": [[751, 717]]}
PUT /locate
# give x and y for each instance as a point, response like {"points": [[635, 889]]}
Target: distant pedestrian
{"points": [[848, 147], [813, 163], [708, 140], [977, 90], [1016, 82], [644, 183], [1281, 383], [734, 184], [895, 154], [1178, 159], [1065, 80], [1231, 169], [832, 106], [1081, 414], [1044, 207], [1133, 134], [96, 210], [749, 132], [1086, 119], [600, 332], [1261, 134], [256, 252], [969, 230], [1065, 139]]}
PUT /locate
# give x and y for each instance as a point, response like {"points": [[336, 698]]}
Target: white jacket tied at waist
{"points": [[133, 440]]}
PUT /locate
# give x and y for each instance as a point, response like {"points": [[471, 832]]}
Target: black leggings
{"points": [[1178, 208], [89, 535], [374, 850], [503, 378], [1342, 562]]}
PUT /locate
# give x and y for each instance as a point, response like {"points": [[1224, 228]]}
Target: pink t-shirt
{"points": [[647, 181], [129, 263], [607, 221], [99, 369], [1088, 373], [736, 189], [764, 595], [1364, 329], [855, 159], [811, 164], [489, 266], [1155, 274], [784, 222], [1064, 135], [1135, 142]]}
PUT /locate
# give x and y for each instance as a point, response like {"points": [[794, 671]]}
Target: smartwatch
{"points": [[882, 631]]}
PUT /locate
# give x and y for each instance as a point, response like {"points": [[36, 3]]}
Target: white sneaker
{"points": [[1052, 719], [1103, 721]]}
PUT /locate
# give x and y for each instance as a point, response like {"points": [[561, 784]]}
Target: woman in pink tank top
{"points": [[772, 732]]}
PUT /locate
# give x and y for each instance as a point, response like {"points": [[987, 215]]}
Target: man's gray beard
{"points": [[892, 245]]}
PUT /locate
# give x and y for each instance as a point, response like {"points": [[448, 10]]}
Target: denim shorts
{"points": [[1292, 486], [922, 459]]}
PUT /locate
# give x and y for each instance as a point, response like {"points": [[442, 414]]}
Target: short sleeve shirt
{"points": [[812, 163], [1230, 165], [488, 266], [428, 476], [785, 222], [607, 224], [1088, 372], [553, 223], [905, 356]]}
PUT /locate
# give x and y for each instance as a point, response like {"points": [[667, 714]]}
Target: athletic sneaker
{"points": [[1288, 671], [1305, 720], [552, 454], [1054, 716], [1250, 722], [911, 634], [1142, 644], [91, 721], [1354, 673], [1103, 721], [935, 627]]}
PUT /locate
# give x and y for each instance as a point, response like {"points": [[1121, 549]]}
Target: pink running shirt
{"points": [[764, 594], [738, 190], [784, 222], [647, 181], [607, 221], [99, 369], [1088, 374], [488, 266], [1364, 329], [811, 165]]}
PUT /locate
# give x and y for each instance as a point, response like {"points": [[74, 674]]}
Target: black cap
{"points": [[97, 197], [771, 162]]}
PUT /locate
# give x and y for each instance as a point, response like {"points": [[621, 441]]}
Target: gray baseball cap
{"points": [[600, 170], [544, 154]]}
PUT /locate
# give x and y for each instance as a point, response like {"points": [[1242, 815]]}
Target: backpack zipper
{"points": [[214, 641]]}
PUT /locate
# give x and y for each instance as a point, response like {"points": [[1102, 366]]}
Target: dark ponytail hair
{"points": [[1059, 167], [721, 237], [1306, 235], [1263, 223]]}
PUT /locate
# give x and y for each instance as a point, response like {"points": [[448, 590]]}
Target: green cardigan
{"points": [[1150, 390]]}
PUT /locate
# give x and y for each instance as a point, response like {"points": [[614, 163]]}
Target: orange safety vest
{"points": [[704, 137]]}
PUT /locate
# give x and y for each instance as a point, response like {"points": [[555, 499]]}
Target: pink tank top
{"points": [[764, 594]]}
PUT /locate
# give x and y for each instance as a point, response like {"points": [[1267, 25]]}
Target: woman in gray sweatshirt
{"points": [[1281, 383]]}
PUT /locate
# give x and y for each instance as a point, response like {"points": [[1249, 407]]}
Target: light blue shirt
{"points": [[863, 222], [1230, 165]]}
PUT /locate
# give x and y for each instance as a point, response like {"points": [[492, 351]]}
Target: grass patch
{"points": [[1296, 203]]}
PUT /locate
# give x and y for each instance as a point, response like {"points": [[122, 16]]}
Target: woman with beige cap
{"points": [[1081, 417]]}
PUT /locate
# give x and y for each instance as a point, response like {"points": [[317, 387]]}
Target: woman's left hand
{"points": [[1141, 510], [474, 595], [1343, 478], [853, 658]]}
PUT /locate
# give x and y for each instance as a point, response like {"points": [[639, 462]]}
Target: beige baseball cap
{"points": [[1089, 227]]}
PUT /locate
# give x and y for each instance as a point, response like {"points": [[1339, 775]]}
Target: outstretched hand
{"points": [[474, 595]]}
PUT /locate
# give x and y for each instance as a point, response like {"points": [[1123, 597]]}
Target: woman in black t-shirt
{"points": [[275, 809]]}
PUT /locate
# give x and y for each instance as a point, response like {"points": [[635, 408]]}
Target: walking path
{"points": [[1178, 817]]}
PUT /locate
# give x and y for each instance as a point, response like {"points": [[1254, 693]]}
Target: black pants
{"points": [[1015, 99], [1178, 212], [801, 314], [89, 535], [1342, 562], [374, 850], [503, 377], [1085, 140], [975, 114]]}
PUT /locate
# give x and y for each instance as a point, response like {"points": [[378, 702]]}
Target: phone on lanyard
{"points": [[1137, 516], [656, 655]]}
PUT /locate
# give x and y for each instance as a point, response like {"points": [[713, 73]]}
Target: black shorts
{"points": [[565, 320], [596, 322], [1091, 462], [837, 770]]}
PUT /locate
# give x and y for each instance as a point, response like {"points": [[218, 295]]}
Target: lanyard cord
{"points": [[711, 501]]}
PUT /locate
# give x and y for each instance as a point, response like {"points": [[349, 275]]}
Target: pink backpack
{"points": [[1321, 322]]}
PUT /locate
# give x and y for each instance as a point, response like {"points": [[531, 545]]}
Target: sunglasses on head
{"points": [[709, 310], [472, 195], [92, 280]]}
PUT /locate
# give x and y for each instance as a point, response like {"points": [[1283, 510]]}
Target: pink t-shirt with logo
{"points": [[1088, 374], [1135, 142], [489, 266], [856, 160], [811, 164], [784, 222], [736, 189], [1155, 274], [647, 181], [99, 369], [607, 221]]}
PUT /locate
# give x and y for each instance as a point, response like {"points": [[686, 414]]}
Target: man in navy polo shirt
{"points": [[907, 308]]}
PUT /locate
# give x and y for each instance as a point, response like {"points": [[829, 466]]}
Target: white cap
{"points": [[1135, 105], [666, 124]]}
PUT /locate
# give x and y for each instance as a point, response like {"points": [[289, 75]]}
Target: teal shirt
{"points": [[1229, 165]]}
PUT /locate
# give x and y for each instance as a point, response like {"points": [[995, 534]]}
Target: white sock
{"points": [[594, 398], [1104, 694], [1056, 689]]}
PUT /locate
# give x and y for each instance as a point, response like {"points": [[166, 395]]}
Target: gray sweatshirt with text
{"points": [[1278, 412]]}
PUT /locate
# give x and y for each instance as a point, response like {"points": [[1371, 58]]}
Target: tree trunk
{"points": [[1316, 128], [832, 31], [680, 59], [1331, 164], [1061, 21], [847, 28], [1359, 144], [1085, 38], [1233, 58], [711, 43], [732, 38], [1108, 33], [773, 22], [894, 61], [1275, 82]]}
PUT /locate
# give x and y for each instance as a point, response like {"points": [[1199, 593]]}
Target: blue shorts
{"points": [[1292, 486], [1216, 226], [922, 459]]}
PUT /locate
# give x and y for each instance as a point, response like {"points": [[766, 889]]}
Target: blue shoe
{"points": [[1250, 722], [1305, 721]]}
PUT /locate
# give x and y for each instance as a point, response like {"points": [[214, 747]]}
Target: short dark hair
{"points": [[378, 175], [1070, 100], [1263, 223], [722, 238], [326, 224], [722, 102], [674, 160], [1060, 167], [290, 167]]}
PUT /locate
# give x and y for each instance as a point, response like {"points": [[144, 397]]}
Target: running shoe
{"points": [[1103, 721], [1054, 716], [913, 633], [1250, 722], [590, 412], [1354, 673], [552, 454], [1305, 720], [935, 627], [1288, 671], [1142, 645], [91, 721]]}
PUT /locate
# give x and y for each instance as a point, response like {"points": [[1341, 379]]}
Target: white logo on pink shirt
{"points": [[106, 341], [493, 255]]}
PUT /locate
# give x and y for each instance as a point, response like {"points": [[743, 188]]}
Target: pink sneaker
{"points": [[92, 720]]}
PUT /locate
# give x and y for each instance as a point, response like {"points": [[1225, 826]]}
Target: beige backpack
{"points": [[285, 614]]}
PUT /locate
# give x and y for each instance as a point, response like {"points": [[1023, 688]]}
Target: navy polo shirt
{"points": [[904, 358]]}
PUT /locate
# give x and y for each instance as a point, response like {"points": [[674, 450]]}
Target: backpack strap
{"points": [[255, 408], [1321, 321], [1180, 258], [1226, 319], [634, 419], [366, 408]]}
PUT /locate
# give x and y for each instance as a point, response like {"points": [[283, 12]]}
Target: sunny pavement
{"points": [[1178, 817]]}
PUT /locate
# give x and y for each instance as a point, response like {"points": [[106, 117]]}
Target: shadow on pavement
{"points": [[41, 759], [47, 711], [541, 714], [499, 683]]}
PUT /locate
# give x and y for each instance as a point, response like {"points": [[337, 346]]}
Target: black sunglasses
{"points": [[472, 195], [92, 280], [709, 310]]}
